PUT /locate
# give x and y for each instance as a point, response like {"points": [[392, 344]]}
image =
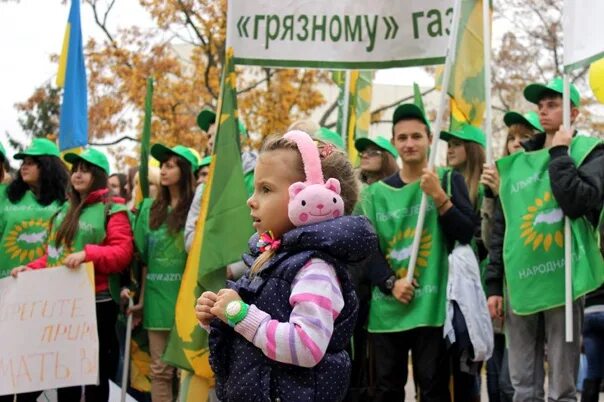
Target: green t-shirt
{"points": [[23, 230], [165, 257]]}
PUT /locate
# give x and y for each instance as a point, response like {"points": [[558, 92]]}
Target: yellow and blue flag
{"points": [[73, 127]]}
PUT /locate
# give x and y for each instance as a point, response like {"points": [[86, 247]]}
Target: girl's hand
{"points": [[75, 259], [204, 306], [430, 184], [224, 297], [137, 313], [125, 294], [15, 271], [490, 178]]}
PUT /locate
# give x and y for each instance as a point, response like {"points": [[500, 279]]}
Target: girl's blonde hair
{"points": [[517, 130], [334, 163]]}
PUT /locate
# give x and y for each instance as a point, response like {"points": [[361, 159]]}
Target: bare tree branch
{"points": [[405, 99], [103, 24], [106, 144], [328, 112], [257, 83]]}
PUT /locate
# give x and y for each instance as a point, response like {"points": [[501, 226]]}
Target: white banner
{"points": [[339, 34], [49, 333], [583, 32]]}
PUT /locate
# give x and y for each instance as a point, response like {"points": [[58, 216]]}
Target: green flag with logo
{"points": [[533, 249], [223, 229]]}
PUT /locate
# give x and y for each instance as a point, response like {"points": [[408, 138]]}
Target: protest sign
{"points": [[339, 34], [49, 332]]}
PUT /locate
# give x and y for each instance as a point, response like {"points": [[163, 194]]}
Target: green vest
{"points": [[91, 230], [533, 247], [394, 214], [165, 256], [23, 230]]}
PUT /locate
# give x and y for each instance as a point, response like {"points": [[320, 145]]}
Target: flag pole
{"points": [[449, 61], [486, 40], [346, 108], [568, 280]]}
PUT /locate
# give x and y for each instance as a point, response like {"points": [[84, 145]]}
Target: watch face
{"points": [[233, 308]]}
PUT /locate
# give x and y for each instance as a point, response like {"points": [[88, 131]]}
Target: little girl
{"points": [[280, 332]]}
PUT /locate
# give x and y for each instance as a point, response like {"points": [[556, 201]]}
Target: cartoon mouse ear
{"points": [[333, 185], [295, 188]]}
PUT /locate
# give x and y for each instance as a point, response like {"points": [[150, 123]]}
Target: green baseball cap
{"points": [[529, 119], [205, 161], [409, 110], [467, 132], [362, 143], [162, 152], [90, 155], [534, 92], [40, 147], [206, 118], [330, 136]]}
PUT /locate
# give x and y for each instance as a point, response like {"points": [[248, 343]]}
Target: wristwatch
{"points": [[235, 312], [389, 283]]}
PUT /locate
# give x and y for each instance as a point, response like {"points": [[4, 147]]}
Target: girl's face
{"points": [[456, 153], [371, 159], [273, 175], [30, 171], [513, 143], [114, 185], [170, 172], [81, 179], [203, 174]]}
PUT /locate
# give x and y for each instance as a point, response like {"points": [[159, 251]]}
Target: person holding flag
{"points": [[560, 174], [159, 238], [407, 316]]}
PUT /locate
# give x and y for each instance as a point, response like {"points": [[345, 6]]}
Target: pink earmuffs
{"points": [[314, 200]]}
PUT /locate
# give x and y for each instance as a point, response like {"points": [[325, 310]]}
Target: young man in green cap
{"points": [[538, 188], [410, 316]]}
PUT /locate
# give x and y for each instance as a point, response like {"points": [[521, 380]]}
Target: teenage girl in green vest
{"points": [[92, 227], [159, 237], [30, 200]]}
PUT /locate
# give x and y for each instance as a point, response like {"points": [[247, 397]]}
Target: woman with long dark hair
{"points": [[95, 227], [159, 237], [37, 192]]}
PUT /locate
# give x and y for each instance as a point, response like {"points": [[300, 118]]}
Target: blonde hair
{"points": [[517, 130], [334, 163], [310, 127]]}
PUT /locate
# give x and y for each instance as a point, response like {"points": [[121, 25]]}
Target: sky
{"points": [[30, 32]]}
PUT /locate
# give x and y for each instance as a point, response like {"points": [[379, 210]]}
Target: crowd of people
{"points": [[322, 306]]}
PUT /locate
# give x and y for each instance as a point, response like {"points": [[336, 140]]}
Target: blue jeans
{"points": [[593, 343]]}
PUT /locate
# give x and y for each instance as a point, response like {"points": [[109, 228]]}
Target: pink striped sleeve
{"points": [[316, 301]]}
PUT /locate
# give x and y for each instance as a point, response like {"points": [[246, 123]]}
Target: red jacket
{"points": [[113, 255]]}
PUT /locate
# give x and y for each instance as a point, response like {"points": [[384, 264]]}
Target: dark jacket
{"points": [[243, 372], [578, 190]]}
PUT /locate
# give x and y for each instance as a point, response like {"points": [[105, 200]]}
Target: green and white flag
{"points": [[533, 249], [339, 34], [583, 32]]}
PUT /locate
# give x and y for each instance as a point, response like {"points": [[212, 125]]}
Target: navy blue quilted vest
{"points": [[243, 372]]}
